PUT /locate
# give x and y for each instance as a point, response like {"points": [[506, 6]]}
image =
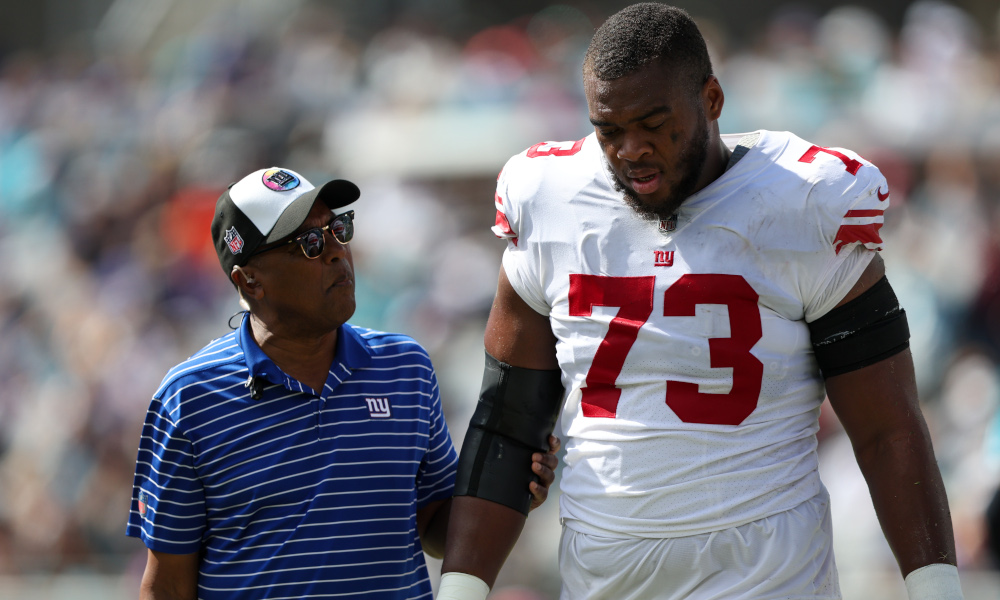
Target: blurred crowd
{"points": [[115, 148]]}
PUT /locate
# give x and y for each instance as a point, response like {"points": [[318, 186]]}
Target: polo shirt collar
{"points": [[352, 353]]}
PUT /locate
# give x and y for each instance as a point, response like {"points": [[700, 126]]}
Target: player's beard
{"points": [[690, 165]]}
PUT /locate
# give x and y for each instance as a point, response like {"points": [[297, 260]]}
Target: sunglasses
{"points": [[313, 241]]}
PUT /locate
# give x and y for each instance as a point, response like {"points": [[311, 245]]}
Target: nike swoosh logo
{"points": [[881, 196]]}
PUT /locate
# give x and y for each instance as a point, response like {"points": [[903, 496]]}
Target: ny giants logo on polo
{"points": [[279, 180], [379, 408], [234, 240]]}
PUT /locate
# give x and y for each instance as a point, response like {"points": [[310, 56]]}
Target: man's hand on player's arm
{"points": [[879, 409], [544, 465], [481, 533]]}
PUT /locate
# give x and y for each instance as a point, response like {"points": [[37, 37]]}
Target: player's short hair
{"points": [[645, 32]]}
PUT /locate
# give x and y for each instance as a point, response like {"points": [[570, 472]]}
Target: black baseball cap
{"points": [[267, 206]]}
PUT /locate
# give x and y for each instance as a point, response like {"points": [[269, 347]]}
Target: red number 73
{"points": [[634, 297]]}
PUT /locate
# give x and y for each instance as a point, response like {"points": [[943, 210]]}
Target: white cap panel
{"points": [[262, 202]]}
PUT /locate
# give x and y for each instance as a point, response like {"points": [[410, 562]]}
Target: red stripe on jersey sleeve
{"points": [[503, 224], [866, 234], [503, 229], [864, 213]]}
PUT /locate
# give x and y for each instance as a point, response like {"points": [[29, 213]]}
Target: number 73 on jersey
{"points": [[634, 298]]}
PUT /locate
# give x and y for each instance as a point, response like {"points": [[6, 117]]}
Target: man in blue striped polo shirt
{"points": [[298, 456]]}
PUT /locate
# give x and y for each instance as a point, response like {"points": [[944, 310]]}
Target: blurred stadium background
{"points": [[122, 120]]}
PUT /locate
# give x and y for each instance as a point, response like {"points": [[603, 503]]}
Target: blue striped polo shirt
{"points": [[297, 494]]}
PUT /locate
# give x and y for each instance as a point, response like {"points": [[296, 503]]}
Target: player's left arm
{"points": [[432, 519], [879, 409]]}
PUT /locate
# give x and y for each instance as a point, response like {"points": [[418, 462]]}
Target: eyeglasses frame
{"points": [[322, 231]]}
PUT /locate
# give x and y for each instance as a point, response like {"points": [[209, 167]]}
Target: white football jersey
{"points": [[692, 393]]}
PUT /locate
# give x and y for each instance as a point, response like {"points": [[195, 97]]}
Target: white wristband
{"points": [[462, 586], [934, 582]]}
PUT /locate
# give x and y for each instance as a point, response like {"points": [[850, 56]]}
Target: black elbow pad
{"points": [[869, 328], [516, 412]]}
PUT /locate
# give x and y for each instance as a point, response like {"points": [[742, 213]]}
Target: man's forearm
{"points": [[169, 576], [434, 535], [164, 590]]}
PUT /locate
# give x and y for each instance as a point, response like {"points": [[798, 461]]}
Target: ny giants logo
{"points": [[663, 258], [379, 408]]}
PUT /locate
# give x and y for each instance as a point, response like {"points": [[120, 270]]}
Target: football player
{"points": [[682, 301]]}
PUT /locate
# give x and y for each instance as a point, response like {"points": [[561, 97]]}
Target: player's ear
{"points": [[713, 97]]}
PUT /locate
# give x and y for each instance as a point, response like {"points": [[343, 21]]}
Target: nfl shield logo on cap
{"points": [[234, 240]]}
